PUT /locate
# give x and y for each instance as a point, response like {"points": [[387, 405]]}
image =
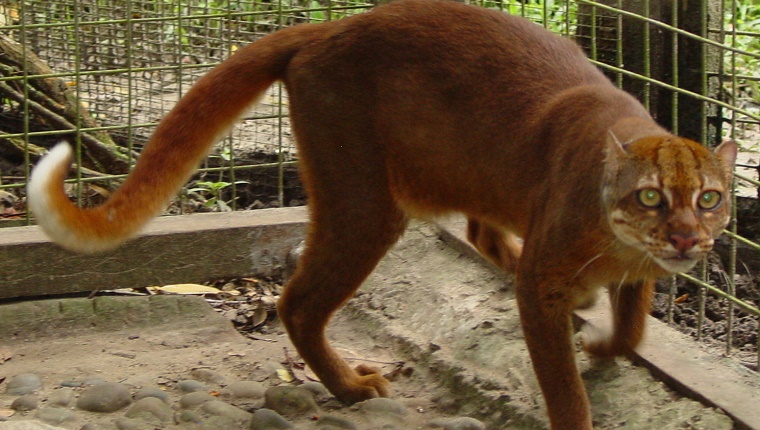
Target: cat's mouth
{"points": [[676, 264]]}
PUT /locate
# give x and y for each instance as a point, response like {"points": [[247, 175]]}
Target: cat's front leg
{"points": [[499, 246], [630, 306], [545, 310]]}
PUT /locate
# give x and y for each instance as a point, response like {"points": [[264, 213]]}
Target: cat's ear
{"points": [[726, 151], [613, 151]]}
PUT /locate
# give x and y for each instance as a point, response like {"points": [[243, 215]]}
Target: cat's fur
{"points": [[421, 108]]}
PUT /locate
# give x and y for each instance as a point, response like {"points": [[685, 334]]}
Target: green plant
{"points": [[211, 194], [742, 24]]}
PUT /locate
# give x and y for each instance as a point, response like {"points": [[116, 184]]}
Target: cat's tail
{"points": [[179, 144]]}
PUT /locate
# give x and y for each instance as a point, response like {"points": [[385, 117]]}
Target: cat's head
{"points": [[668, 197]]}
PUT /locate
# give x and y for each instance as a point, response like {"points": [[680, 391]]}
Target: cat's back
{"points": [[444, 32]]}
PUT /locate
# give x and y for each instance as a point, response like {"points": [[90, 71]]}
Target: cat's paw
{"points": [[597, 340], [601, 341], [367, 384]]}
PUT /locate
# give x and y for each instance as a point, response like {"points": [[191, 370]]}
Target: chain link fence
{"points": [[102, 73]]}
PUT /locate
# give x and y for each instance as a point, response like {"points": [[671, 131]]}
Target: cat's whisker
{"points": [[591, 260], [594, 258], [618, 288]]}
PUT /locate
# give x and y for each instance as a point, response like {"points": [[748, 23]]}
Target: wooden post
{"points": [[697, 64]]}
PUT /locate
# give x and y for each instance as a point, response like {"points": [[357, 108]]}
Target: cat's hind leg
{"points": [[630, 306], [338, 256], [354, 220], [500, 247]]}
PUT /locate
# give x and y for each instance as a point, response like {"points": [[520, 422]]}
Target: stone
{"points": [[458, 423], [105, 397], [55, 415], [125, 423], [192, 400], [25, 383], [151, 392], [382, 405], [191, 386], [317, 388], [290, 401], [267, 419], [25, 403], [336, 422], [245, 390], [61, 397], [28, 425], [151, 407], [189, 417], [219, 408]]}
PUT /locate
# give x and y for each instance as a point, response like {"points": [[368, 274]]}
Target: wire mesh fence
{"points": [[102, 73]]}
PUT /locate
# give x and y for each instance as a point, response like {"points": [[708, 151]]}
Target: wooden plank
{"points": [[670, 355], [187, 248]]}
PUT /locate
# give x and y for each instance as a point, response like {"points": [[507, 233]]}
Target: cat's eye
{"points": [[709, 200], [650, 197]]}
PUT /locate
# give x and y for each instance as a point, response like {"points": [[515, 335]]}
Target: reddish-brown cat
{"points": [[420, 108]]}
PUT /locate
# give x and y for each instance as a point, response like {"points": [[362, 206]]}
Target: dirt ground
{"points": [[448, 322]]}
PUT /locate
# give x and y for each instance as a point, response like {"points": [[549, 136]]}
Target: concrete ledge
{"points": [[170, 250], [670, 355], [34, 319]]}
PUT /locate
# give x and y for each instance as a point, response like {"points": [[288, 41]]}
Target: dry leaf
{"points": [[193, 289], [259, 316], [285, 375]]}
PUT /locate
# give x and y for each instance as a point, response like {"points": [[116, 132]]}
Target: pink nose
{"points": [[683, 243]]}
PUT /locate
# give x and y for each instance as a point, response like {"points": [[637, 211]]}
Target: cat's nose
{"points": [[683, 243]]}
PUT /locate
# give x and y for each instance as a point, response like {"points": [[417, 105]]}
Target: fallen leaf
{"points": [[285, 375], [192, 289], [259, 316]]}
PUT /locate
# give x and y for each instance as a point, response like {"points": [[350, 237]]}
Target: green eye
{"points": [[650, 197], [709, 200]]}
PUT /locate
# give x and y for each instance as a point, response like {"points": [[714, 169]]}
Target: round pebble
{"points": [[219, 408], [267, 419], [382, 405], [95, 380], [151, 407], [459, 423], [55, 415], [105, 397], [191, 400], [94, 426], [245, 390], [336, 422], [28, 425], [191, 386], [125, 423], [61, 397], [317, 388], [290, 401], [220, 422], [25, 403], [151, 392], [25, 383], [189, 417]]}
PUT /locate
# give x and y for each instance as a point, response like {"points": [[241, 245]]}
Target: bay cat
{"points": [[421, 108]]}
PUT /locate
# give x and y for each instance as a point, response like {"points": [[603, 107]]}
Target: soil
{"points": [[444, 325]]}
